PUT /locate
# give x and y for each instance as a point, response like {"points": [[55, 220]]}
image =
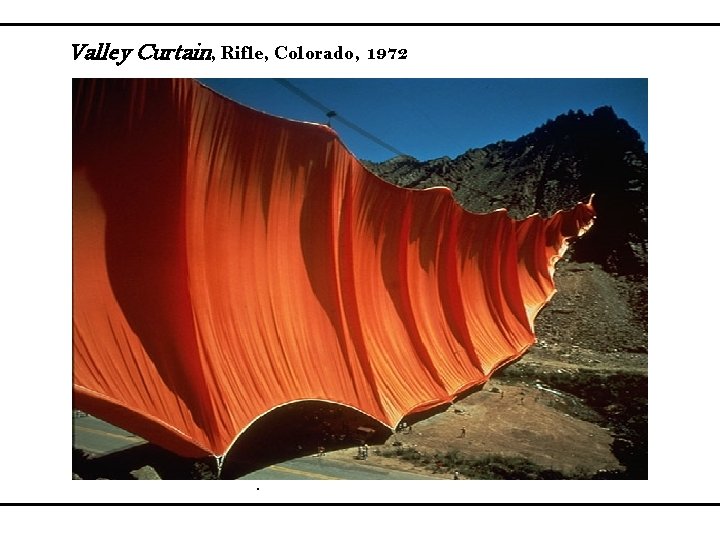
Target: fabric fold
{"points": [[227, 262]]}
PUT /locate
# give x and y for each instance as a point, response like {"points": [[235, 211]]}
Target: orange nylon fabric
{"points": [[227, 262]]}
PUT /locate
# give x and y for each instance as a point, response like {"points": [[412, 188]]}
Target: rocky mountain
{"points": [[560, 163]]}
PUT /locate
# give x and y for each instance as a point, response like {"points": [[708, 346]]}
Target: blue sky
{"points": [[432, 118]]}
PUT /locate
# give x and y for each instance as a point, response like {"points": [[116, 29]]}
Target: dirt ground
{"points": [[527, 420], [561, 405]]}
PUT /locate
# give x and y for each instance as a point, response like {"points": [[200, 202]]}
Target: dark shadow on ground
{"points": [[119, 465], [300, 429], [294, 430]]}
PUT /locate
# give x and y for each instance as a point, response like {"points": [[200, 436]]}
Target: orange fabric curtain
{"points": [[227, 262]]}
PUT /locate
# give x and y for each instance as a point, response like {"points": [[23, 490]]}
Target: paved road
{"points": [[327, 468], [101, 438]]}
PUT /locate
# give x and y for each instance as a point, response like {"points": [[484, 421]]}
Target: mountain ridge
{"points": [[558, 164]]}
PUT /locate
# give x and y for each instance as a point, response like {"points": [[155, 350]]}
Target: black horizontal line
{"points": [[404, 504], [385, 24]]}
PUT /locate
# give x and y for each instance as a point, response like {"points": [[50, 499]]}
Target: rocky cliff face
{"points": [[560, 163]]}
